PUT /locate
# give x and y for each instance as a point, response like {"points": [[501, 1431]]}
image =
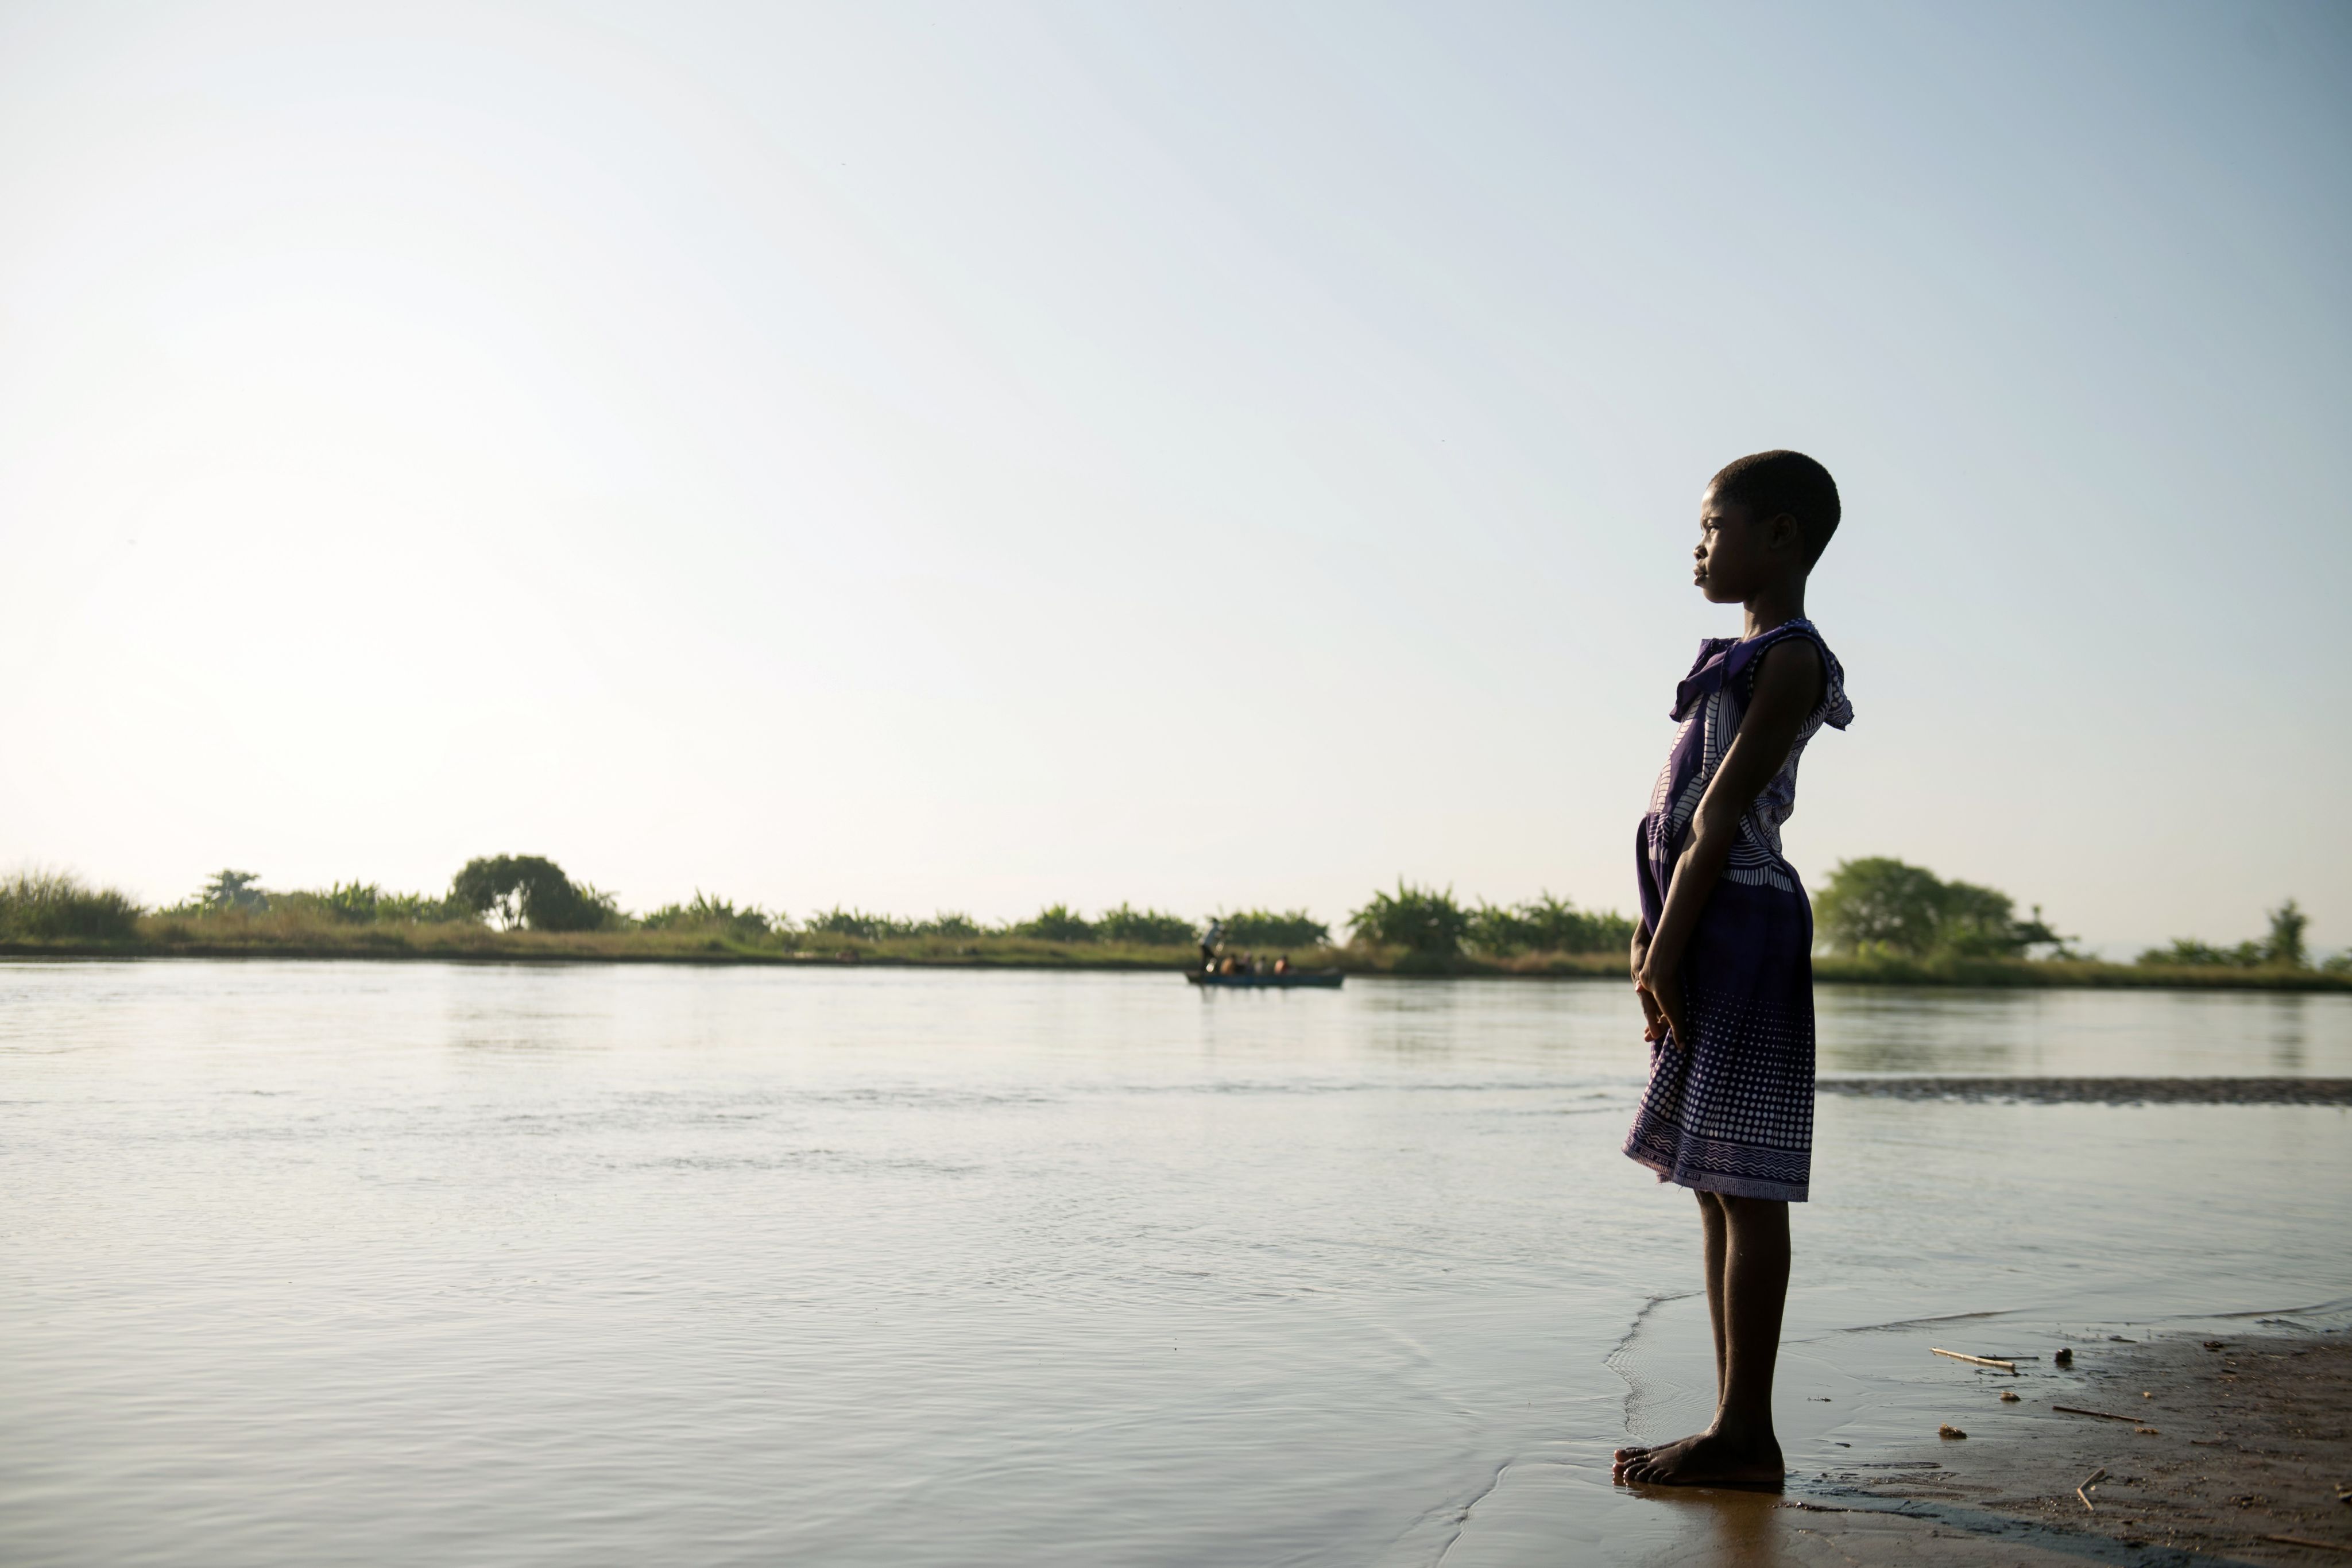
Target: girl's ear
{"points": [[1782, 532]]}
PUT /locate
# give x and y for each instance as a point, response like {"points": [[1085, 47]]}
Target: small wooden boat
{"points": [[1325, 979]]}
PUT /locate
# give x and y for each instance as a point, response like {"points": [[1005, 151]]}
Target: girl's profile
{"points": [[1722, 957]]}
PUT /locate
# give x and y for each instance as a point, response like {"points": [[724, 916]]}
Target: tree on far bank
{"points": [[2288, 922], [531, 892], [1880, 904]]}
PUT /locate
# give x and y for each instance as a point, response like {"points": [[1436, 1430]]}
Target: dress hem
{"points": [[1729, 1185]]}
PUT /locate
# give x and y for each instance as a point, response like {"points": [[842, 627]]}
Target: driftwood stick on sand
{"points": [[2308, 1540], [2094, 1479], [2102, 1414], [2008, 1366]]}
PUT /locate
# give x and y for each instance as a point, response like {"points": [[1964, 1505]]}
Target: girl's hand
{"points": [[1652, 1018], [1662, 1004], [1653, 1022]]}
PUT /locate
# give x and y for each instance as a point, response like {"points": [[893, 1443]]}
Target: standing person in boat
{"points": [[1722, 955], [1210, 939]]}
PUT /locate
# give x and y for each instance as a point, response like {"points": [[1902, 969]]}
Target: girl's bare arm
{"points": [[1788, 687]]}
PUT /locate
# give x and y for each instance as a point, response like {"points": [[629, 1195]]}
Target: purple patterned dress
{"points": [[1734, 1112]]}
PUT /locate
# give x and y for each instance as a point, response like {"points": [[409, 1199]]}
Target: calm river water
{"points": [[391, 1264]]}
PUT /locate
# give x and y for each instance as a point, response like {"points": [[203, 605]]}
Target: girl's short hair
{"points": [[1771, 482]]}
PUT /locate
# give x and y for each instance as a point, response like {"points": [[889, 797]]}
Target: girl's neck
{"points": [[1775, 606]]}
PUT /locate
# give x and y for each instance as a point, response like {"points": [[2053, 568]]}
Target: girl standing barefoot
{"points": [[1723, 956]]}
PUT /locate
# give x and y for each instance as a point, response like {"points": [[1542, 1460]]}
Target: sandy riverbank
{"points": [[2228, 1454], [2099, 1090]]}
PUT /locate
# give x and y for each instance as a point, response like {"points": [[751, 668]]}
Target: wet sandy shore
{"points": [[2237, 1450], [2102, 1091]]}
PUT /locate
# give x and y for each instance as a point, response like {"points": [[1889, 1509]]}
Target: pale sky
{"points": [[970, 455]]}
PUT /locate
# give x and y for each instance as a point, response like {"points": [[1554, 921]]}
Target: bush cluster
{"points": [[2283, 949], [1429, 921], [1266, 928]]}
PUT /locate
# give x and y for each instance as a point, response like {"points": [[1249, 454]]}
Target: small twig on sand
{"points": [[2102, 1414], [2008, 1366], [2094, 1479], [2308, 1540]]}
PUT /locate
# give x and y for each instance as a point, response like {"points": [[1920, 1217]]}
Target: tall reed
{"points": [[57, 906]]}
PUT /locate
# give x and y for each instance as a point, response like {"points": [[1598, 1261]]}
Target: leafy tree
{"points": [[1144, 928], [1880, 904], [1265, 928], [530, 891], [1420, 919], [1977, 922], [2288, 922]]}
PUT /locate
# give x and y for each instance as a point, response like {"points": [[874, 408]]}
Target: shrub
{"points": [[418, 909], [2283, 949], [1144, 928], [1420, 918], [856, 923], [234, 890], [1055, 923], [708, 913], [356, 902], [1545, 924], [947, 923], [54, 907], [1263, 928]]}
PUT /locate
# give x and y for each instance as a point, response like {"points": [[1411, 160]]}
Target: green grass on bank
{"points": [[306, 933], [1900, 925]]}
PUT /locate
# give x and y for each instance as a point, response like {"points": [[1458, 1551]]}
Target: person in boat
{"points": [[1281, 965], [1210, 940], [1228, 965]]}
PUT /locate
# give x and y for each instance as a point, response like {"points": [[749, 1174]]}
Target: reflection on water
{"points": [[383, 1263]]}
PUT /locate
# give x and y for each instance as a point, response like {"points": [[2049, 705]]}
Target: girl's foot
{"points": [[1710, 1459]]}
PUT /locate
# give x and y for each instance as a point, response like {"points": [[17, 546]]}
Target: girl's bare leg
{"points": [[1711, 1233], [1746, 1241]]}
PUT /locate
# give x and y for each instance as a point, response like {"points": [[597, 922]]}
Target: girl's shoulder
{"points": [[1742, 663], [1734, 661]]}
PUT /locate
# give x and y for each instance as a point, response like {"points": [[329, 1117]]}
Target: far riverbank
{"points": [[471, 942]]}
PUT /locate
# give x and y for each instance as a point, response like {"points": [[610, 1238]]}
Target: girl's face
{"points": [[1733, 559]]}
